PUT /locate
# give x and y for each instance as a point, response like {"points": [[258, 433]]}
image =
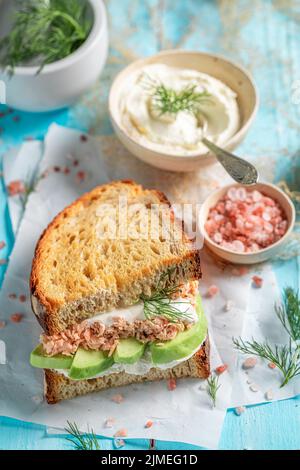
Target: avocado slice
{"points": [[129, 351], [185, 342], [86, 363], [39, 359]]}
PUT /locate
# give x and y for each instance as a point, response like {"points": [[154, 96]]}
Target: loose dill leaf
{"points": [[213, 387], [82, 441], [44, 32], [289, 313], [286, 357], [168, 100]]}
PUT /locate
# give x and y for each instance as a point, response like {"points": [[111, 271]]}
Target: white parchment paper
{"points": [[184, 414]]}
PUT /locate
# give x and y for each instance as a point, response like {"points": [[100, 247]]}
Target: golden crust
{"points": [[59, 387]]}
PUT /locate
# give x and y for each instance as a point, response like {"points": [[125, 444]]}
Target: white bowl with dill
{"points": [[162, 106], [51, 51]]}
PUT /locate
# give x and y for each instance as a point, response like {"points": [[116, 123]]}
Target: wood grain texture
{"points": [[263, 35]]}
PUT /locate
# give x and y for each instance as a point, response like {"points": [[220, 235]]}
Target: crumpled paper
{"points": [[73, 165]]}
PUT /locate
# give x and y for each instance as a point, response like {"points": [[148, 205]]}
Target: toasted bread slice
{"points": [[82, 266], [59, 387]]}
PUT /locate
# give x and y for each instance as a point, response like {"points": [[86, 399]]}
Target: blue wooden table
{"points": [[263, 35]]}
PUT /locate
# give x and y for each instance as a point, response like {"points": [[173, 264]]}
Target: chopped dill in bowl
{"points": [[44, 32]]}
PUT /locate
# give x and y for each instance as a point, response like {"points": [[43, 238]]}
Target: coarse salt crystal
{"points": [[172, 384], [239, 410], [257, 281], [119, 443], [118, 398], [109, 423], [249, 363], [121, 433], [221, 369], [212, 291], [149, 424], [269, 395], [253, 388], [228, 305]]}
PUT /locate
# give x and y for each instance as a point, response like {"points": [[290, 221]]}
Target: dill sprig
{"points": [[286, 357], [82, 441], [44, 31], [167, 100], [161, 302], [213, 387]]}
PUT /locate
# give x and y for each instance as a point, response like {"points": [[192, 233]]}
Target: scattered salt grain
{"points": [[228, 305], [203, 387], [249, 382], [239, 410], [253, 388], [221, 369], [269, 395], [149, 424], [212, 291], [118, 398], [118, 443], [257, 281], [121, 433], [271, 365], [172, 384], [80, 177], [109, 423], [16, 317], [249, 363]]}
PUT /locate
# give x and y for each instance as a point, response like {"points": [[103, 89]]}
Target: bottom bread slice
{"points": [[59, 387]]}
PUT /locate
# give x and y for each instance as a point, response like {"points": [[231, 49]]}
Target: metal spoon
{"points": [[239, 169]]}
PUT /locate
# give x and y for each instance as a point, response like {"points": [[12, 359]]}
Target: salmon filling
{"points": [[97, 336]]}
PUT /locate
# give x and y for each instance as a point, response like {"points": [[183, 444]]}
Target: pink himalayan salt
{"points": [[246, 221], [212, 291], [257, 281]]}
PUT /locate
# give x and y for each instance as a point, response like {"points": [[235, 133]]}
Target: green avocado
{"points": [[39, 359], [86, 364], [185, 342], [129, 351]]}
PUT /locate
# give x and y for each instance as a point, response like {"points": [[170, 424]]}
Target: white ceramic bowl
{"points": [[249, 258], [231, 74], [61, 83]]}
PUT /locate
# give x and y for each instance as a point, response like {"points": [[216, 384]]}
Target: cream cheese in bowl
{"points": [[202, 106]]}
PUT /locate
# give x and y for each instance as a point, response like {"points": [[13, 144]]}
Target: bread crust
{"points": [[58, 387], [47, 310]]}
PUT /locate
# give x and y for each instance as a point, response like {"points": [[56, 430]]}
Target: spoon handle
{"points": [[239, 169]]}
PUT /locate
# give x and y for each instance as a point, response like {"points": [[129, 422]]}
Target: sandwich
{"points": [[114, 285]]}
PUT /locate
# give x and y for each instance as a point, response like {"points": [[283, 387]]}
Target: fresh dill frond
{"points": [[213, 387], [161, 303], [82, 441], [167, 100], [44, 32], [288, 313]]}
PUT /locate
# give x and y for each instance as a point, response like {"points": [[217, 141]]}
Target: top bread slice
{"points": [[82, 266]]}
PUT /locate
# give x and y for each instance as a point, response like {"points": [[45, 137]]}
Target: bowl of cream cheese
{"points": [[162, 106]]}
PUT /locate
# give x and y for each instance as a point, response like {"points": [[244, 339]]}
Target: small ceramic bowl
{"points": [[61, 83], [238, 79], [249, 258]]}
